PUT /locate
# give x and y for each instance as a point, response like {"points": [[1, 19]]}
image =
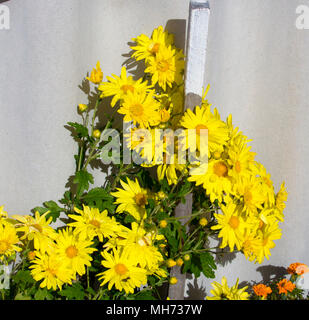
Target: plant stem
{"points": [[95, 113]]}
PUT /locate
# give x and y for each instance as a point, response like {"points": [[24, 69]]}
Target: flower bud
{"points": [[163, 224], [170, 263], [173, 280], [203, 222], [179, 262], [96, 134], [187, 257], [82, 107]]}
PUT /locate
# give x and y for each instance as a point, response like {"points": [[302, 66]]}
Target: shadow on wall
{"points": [[270, 272], [195, 291]]}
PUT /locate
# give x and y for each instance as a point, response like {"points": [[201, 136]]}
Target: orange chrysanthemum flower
{"points": [[261, 290], [285, 286], [297, 268]]}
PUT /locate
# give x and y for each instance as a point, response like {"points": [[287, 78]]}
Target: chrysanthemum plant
{"points": [[121, 240]]}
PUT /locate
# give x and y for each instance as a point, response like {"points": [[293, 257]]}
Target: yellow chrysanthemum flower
{"points": [[141, 108], [36, 228], [148, 47], [166, 67], [122, 272], [265, 177], [252, 192], [8, 240], [240, 158], [143, 142], [96, 75], [74, 251], [92, 223], [221, 291], [118, 87], [268, 234], [205, 123], [250, 243], [132, 198], [239, 294], [139, 243], [170, 171], [52, 270], [231, 226], [216, 181]]}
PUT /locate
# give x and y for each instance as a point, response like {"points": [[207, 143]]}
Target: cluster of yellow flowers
{"points": [[59, 257], [251, 210], [233, 180]]}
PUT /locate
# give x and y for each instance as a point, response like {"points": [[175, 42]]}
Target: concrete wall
{"points": [[257, 67]]}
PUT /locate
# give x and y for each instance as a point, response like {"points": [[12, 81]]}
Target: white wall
{"points": [[257, 67]]}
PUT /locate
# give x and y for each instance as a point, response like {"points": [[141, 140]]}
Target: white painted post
{"points": [[194, 81]]}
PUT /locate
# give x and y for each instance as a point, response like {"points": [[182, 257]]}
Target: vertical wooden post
{"points": [[194, 81]]}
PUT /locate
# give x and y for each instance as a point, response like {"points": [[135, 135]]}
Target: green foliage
{"points": [[82, 179], [43, 294], [80, 130], [201, 262], [52, 208], [99, 198], [74, 292]]}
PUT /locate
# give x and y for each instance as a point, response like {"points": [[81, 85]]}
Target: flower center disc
{"points": [[137, 110], [247, 196], [121, 269], [95, 223], [140, 199], [163, 66], [202, 127], [154, 47], [220, 169], [234, 222], [127, 87], [53, 272], [38, 227], [71, 252]]}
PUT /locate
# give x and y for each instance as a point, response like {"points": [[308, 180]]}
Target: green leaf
{"points": [[20, 296], [172, 241], [67, 198], [186, 266], [96, 194], [196, 267], [43, 294], [208, 265], [81, 131], [129, 219], [145, 295], [82, 179], [100, 198], [52, 207], [74, 292], [185, 189]]}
